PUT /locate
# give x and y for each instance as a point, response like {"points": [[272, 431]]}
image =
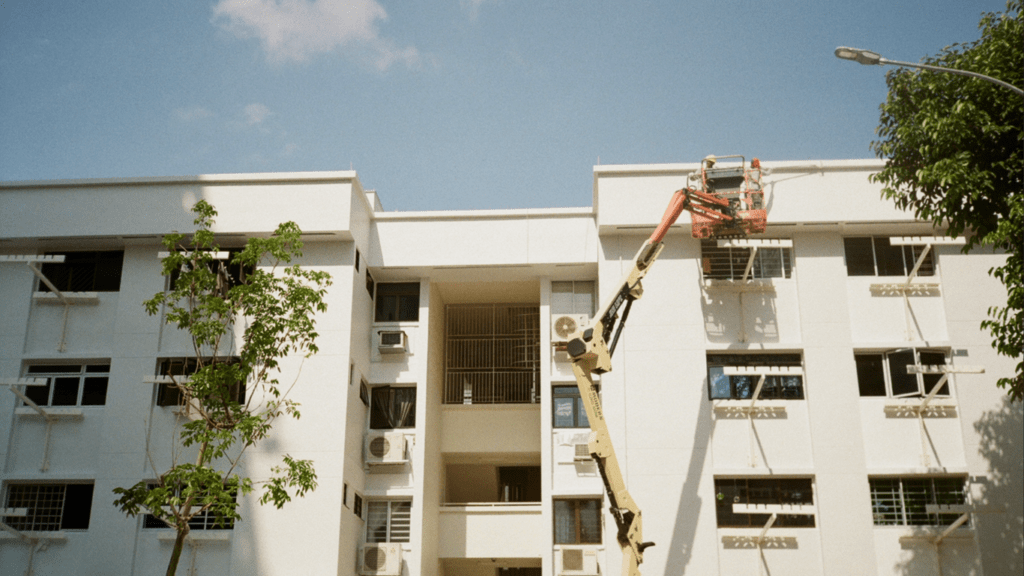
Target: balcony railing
{"points": [[492, 354]]}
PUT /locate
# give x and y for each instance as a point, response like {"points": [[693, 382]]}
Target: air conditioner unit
{"points": [[380, 559], [578, 562], [385, 448], [564, 325], [582, 453], [392, 342]]}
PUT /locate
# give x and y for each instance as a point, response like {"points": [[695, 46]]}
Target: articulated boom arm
{"points": [[591, 354]]}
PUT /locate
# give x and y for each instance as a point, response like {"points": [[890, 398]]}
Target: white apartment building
{"points": [[442, 414]]}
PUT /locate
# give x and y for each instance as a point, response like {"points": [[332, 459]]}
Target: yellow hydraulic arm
{"points": [[591, 353]]}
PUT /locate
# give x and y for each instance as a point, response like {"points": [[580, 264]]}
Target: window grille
{"points": [[492, 354], [85, 272], [730, 262], [729, 491], [904, 501], [205, 520], [51, 507], [388, 521]]}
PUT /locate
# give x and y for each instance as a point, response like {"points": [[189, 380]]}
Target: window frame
{"points": [[581, 291], [236, 273], [777, 490], [576, 511], [409, 421], [579, 415], [736, 258], [394, 304], [389, 534], [66, 521], [202, 521], [924, 382], [169, 396], [883, 255], [774, 388], [83, 375], [895, 512]]}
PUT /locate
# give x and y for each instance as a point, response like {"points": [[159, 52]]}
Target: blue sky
{"points": [[448, 104]]}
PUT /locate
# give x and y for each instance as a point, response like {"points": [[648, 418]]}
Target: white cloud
{"points": [[295, 30], [193, 113], [256, 114]]}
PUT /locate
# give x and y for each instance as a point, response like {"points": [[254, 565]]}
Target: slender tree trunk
{"points": [[179, 543]]}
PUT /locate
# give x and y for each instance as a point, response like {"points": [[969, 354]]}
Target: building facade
{"points": [[760, 403]]}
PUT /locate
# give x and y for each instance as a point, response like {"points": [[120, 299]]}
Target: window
{"points": [[519, 483], [904, 501], [205, 520], [388, 521], [572, 297], [344, 494], [235, 273], [85, 272], [69, 384], [170, 395], [364, 393], [393, 407], [730, 262], [729, 491], [578, 521], [369, 282], [885, 374], [357, 259], [398, 302], [357, 505], [568, 408], [868, 256], [742, 387], [51, 507]]}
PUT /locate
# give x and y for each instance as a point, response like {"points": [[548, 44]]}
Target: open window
{"points": [[69, 384], [49, 506], [233, 274], [392, 407], [169, 394], [879, 256], [750, 502], [85, 272], [205, 520], [885, 373]]}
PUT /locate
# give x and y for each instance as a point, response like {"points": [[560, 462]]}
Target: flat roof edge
{"points": [[483, 214], [780, 166], [257, 177]]}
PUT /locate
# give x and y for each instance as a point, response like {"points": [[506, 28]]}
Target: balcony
{"points": [[493, 530], [492, 354]]}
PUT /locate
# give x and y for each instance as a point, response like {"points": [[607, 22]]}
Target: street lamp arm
{"points": [[953, 71], [870, 58]]}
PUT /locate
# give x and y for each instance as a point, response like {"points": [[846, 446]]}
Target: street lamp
{"points": [[868, 57]]}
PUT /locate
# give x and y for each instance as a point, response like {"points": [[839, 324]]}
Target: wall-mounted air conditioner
{"points": [[392, 342], [578, 562], [380, 559], [388, 448], [564, 325], [582, 453]]}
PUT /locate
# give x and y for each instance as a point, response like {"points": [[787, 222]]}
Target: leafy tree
{"points": [[277, 308], [953, 151]]}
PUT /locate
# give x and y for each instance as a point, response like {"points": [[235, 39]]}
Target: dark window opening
{"points": [[393, 407], [721, 386], [867, 256], [85, 272], [357, 505], [730, 491], [69, 384], [205, 520], [730, 262], [51, 507], [398, 302], [235, 274], [905, 501], [885, 373], [519, 484], [357, 259], [578, 521], [170, 395]]}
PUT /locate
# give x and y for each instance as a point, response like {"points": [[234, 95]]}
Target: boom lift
{"points": [[729, 203]]}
